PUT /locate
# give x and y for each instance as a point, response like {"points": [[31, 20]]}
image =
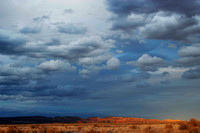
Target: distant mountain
{"points": [[38, 120], [71, 119]]}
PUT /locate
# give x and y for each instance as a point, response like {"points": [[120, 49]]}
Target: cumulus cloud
{"points": [[172, 27], [190, 51], [147, 63], [94, 60], [55, 65], [113, 63], [190, 55]]}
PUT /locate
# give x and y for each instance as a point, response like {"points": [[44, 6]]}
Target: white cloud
{"points": [[55, 65], [113, 63], [147, 63]]}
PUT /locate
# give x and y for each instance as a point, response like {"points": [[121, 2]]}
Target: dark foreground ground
{"points": [[100, 125]]}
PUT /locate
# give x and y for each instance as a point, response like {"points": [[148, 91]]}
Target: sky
{"points": [[97, 58]]}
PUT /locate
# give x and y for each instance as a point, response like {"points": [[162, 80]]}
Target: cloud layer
{"points": [[144, 54]]}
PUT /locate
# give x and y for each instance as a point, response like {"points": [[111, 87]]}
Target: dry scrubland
{"points": [[192, 126]]}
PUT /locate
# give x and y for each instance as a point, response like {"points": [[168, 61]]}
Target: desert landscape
{"points": [[108, 125], [99, 66]]}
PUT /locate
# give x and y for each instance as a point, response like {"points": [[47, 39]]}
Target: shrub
{"points": [[133, 127], [13, 129], [148, 130], [91, 131], [168, 126], [194, 122], [194, 130], [2, 131], [183, 127], [79, 128]]}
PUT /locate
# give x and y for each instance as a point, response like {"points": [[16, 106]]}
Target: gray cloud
{"points": [[16, 76], [143, 84], [144, 75], [165, 73], [165, 81], [30, 30], [71, 29], [190, 51], [128, 24], [42, 18], [68, 11], [190, 55], [127, 78], [13, 44], [173, 27], [192, 73]]}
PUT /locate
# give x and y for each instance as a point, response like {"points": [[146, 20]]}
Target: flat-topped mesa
{"points": [[126, 120]]}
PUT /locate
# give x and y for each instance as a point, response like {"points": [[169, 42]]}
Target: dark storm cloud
{"points": [[127, 24], [71, 29], [192, 73], [157, 19], [13, 44], [30, 30], [126, 7], [41, 91]]}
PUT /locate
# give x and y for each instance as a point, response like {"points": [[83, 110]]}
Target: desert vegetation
{"points": [[192, 126]]}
